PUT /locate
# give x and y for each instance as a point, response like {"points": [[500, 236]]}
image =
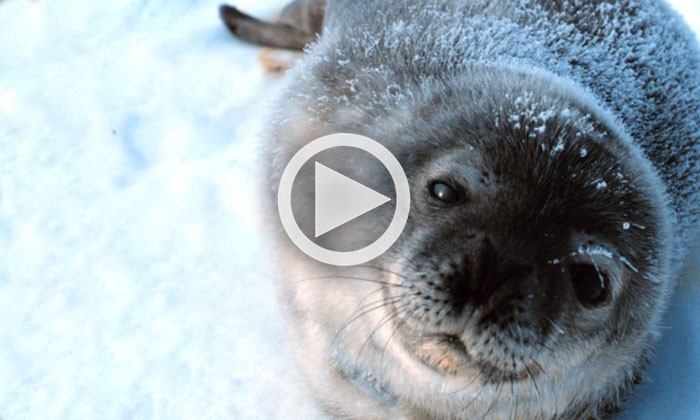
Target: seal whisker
{"points": [[332, 277], [549, 380], [534, 383], [514, 396], [396, 328], [405, 277], [493, 401], [387, 318], [481, 390], [370, 307]]}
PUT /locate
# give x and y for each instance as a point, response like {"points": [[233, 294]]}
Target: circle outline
{"points": [[376, 248]]}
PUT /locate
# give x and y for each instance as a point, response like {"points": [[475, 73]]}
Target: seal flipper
{"points": [[276, 35], [306, 15]]}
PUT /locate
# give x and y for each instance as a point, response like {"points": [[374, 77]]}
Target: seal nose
{"points": [[484, 273], [492, 271]]}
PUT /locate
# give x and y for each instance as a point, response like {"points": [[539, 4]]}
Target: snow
{"points": [[133, 280], [132, 277]]}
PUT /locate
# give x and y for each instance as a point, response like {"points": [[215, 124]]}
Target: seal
{"points": [[552, 152]]}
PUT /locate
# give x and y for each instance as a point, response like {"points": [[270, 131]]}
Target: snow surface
{"points": [[133, 281]]}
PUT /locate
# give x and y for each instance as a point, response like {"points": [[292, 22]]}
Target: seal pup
{"points": [[552, 152]]}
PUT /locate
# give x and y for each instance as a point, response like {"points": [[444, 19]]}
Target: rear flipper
{"points": [[274, 35], [297, 26]]}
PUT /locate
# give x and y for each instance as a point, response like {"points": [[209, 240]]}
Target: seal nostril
{"points": [[458, 285], [494, 270], [480, 276]]}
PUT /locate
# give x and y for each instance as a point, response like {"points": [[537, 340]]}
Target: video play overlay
{"points": [[343, 199]]}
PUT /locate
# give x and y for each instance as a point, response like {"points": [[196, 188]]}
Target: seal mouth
{"points": [[443, 353], [447, 354]]}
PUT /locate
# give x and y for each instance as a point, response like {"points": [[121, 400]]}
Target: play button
{"points": [[340, 199]]}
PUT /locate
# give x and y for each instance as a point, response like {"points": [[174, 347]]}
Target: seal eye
{"points": [[591, 284], [443, 192]]}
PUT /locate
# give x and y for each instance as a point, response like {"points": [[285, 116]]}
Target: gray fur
{"points": [[574, 127]]}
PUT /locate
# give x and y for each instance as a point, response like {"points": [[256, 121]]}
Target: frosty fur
{"points": [[604, 94]]}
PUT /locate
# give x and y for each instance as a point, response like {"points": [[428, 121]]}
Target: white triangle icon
{"points": [[340, 199]]}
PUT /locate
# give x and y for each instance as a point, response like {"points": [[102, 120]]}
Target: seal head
{"points": [[532, 271]]}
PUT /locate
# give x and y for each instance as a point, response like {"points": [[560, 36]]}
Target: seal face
{"points": [[554, 181], [521, 273], [521, 246]]}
